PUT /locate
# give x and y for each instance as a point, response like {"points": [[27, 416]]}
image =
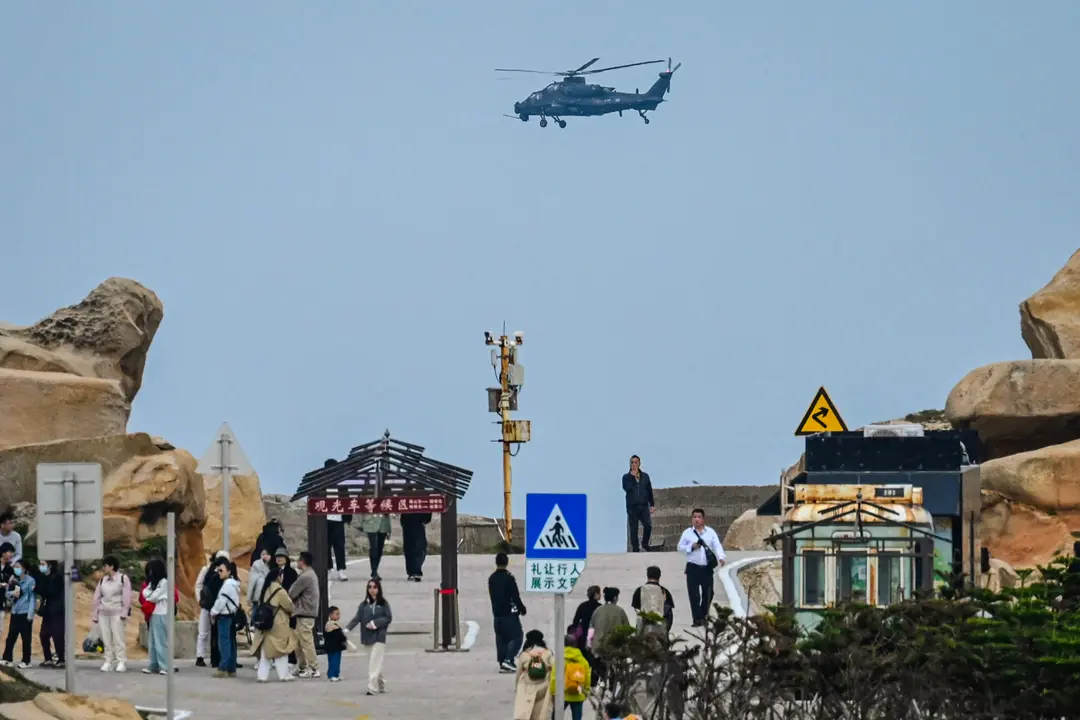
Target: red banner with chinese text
{"points": [[396, 504]]}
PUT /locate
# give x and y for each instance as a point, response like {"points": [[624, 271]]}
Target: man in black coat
{"points": [[506, 611], [269, 540], [414, 543], [639, 504]]}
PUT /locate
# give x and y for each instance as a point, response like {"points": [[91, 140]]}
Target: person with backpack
{"points": [[223, 616], [653, 598], [584, 614], [112, 608], [51, 590], [273, 637], [532, 701], [374, 617], [207, 585], [576, 679], [23, 600]]}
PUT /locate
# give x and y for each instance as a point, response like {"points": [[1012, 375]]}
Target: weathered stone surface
{"points": [[1050, 319], [142, 483], [38, 407], [1021, 535], [1047, 479], [749, 531], [85, 707], [1019, 406], [246, 513], [23, 711], [1001, 576], [107, 335]]}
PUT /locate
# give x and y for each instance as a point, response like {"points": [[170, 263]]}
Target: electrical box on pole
{"points": [[504, 400]]}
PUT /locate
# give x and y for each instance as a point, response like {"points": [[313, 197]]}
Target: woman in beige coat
{"points": [[274, 646], [532, 695]]}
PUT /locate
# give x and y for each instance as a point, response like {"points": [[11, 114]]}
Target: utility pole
{"points": [[502, 400]]}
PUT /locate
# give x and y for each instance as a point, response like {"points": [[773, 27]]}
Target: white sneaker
{"points": [[107, 667], [305, 674], [24, 666], [288, 678], [342, 576], [121, 667]]}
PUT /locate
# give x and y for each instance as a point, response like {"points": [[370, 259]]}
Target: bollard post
{"points": [[435, 626], [457, 619]]}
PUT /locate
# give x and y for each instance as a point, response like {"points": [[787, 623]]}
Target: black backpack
{"points": [[263, 617], [210, 589]]}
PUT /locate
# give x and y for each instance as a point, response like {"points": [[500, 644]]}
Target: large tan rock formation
{"points": [[1050, 319], [107, 336], [40, 406], [749, 530], [1019, 406], [143, 481]]}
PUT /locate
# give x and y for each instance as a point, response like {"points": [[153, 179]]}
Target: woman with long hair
{"points": [[222, 615], [373, 616], [532, 700], [157, 592], [272, 647]]}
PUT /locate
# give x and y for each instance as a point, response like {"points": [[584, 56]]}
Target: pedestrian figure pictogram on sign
{"points": [[556, 534]]}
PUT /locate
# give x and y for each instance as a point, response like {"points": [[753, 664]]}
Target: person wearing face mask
{"points": [[51, 590], [23, 600], [7, 572]]}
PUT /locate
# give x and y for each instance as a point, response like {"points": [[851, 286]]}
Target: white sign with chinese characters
{"points": [[552, 576]]}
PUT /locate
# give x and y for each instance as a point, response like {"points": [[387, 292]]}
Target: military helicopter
{"points": [[572, 96]]}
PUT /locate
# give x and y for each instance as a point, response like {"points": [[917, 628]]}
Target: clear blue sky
{"points": [[326, 195]]}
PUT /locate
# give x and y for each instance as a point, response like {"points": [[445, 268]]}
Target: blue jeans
{"points": [[226, 638], [159, 643], [333, 669]]}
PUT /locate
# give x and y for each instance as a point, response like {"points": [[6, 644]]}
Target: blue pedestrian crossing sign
{"points": [[556, 526]]}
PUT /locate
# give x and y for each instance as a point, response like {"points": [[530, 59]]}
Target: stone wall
{"points": [[722, 505]]}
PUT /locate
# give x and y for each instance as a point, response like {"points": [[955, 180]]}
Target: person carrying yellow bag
{"points": [[577, 679]]}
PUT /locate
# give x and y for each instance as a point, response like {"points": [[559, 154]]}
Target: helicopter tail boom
{"points": [[663, 85]]}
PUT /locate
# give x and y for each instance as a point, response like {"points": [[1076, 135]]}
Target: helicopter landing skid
{"points": [[642, 114]]}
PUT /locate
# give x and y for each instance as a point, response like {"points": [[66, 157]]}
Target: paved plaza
{"points": [[420, 685]]}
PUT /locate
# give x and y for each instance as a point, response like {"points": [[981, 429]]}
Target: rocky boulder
{"points": [[142, 483], [1019, 406], [43, 406], [749, 530], [1022, 535], [105, 336], [1050, 319]]}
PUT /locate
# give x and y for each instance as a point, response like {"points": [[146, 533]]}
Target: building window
{"points": [[851, 575], [813, 576], [890, 579]]}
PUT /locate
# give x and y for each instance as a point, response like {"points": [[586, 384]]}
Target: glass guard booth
{"points": [[868, 544]]}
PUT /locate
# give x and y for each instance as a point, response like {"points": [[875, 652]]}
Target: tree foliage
{"points": [[968, 654]]}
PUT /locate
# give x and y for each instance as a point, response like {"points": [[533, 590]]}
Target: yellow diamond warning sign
{"points": [[821, 416]]}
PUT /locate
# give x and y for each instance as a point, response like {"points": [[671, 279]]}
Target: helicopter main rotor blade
{"points": [[538, 72], [619, 67], [578, 71]]}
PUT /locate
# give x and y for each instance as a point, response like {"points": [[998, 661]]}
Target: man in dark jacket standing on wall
{"points": [[639, 504], [507, 610]]}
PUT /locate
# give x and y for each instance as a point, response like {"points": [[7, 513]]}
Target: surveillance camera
{"points": [[487, 338], [519, 337]]}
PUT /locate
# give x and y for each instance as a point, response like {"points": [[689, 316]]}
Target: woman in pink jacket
{"points": [[112, 608]]}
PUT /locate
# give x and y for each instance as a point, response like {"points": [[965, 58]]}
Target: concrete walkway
{"points": [[420, 685]]}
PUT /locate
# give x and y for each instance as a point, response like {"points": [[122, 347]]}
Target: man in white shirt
{"points": [[698, 542], [8, 534]]}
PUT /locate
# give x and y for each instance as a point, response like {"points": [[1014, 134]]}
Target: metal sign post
{"points": [[556, 552], [225, 458], [170, 569], [70, 530]]}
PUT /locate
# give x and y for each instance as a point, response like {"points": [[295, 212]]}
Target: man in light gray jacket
{"points": [[304, 594]]}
